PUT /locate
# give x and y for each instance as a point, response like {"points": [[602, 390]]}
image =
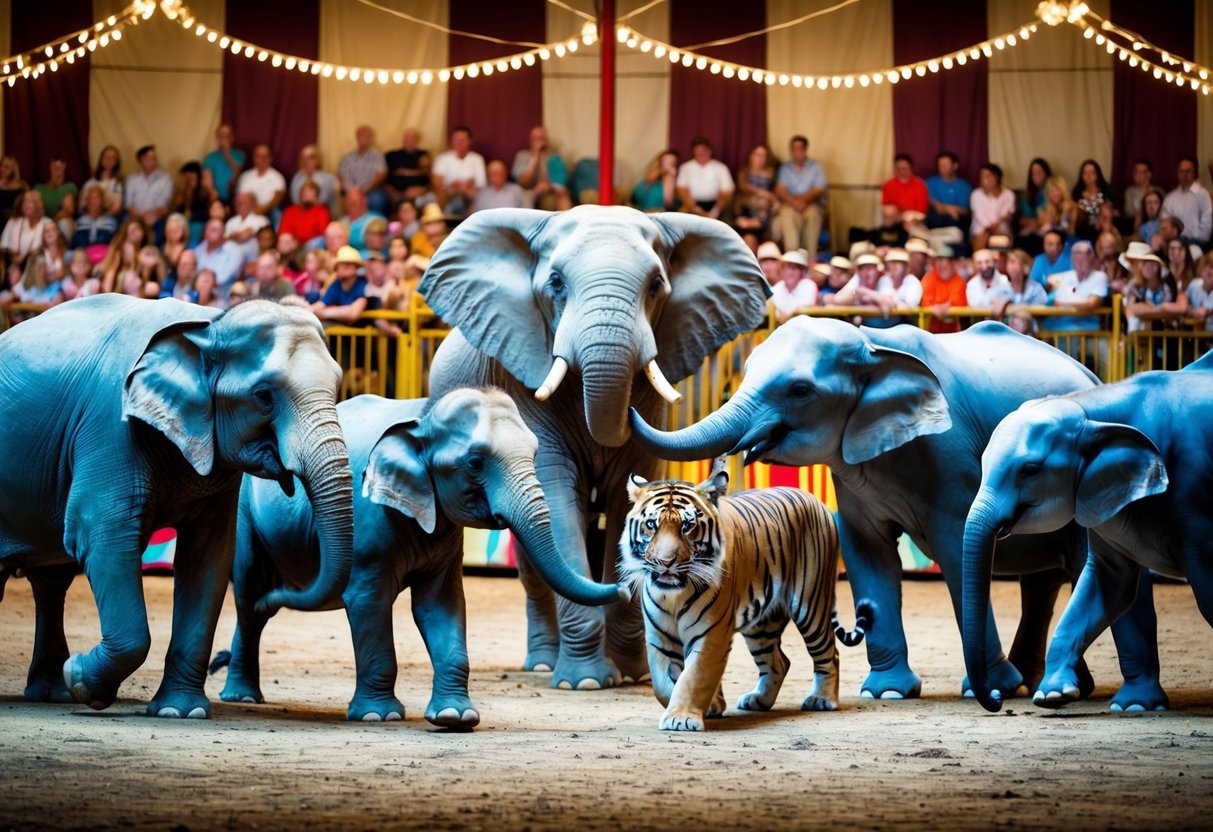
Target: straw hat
{"points": [[945, 251], [348, 254], [868, 260], [917, 245], [862, 247], [431, 213], [796, 257], [768, 251], [840, 262], [1139, 251], [897, 255], [822, 269], [999, 242], [417, 261]]}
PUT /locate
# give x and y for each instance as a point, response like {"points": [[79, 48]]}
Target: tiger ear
{"points": [[715, 486], [635, 484]]}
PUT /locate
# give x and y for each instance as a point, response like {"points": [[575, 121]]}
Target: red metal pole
{"points": [[606, 115]]}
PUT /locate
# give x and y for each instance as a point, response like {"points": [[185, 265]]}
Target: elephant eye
{"points": [[656, 286], [556, 283], [1031, 469], [800, 389], [475, 463], [264, 397]]}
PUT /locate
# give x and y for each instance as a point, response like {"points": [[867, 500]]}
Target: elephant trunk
{"points": [[316, 452], [607, 359], [720, 433], [980, 538], [526, 513]]}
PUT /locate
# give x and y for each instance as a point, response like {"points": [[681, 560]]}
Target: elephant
{"points": [[122, 416], [565, 311], [1130, 462], [428, 469], [901, 417]]}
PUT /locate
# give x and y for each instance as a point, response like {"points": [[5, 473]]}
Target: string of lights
{"points": [[179, 12], [661, 50], [71, 47]]}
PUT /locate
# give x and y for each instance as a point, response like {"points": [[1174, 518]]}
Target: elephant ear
{"points": [[396, 475], [900, 400], [1122, 466], [480, 281], [717, 291], [168, 389]]}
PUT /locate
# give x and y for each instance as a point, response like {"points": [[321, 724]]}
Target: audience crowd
{"points": [[231, 227]]}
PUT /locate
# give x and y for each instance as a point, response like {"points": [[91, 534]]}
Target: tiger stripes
{"points": [[708, 565]]}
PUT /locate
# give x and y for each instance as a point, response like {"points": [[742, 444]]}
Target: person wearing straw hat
{"points": [[769, 257], [943, 288], [433, 231], [920, 256], [345, 299], [795, 289], [840, 275], [897, 282], [862, 291], [1151, 297]]}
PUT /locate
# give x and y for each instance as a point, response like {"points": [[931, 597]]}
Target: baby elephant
{"points": [[427, 470], [710, 566]]}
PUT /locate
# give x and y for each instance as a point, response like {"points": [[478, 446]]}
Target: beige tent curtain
{"points": [[850, 131], [357, 35], [642, 92], [159, 85], [1050, 97]]}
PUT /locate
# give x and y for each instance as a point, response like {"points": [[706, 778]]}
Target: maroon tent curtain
{"points": [[502, 108], [49, 116], [1152, 120], [732, 114], [266, 105], [948, 110]]}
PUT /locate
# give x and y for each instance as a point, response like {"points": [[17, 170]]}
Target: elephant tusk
{"points": [[555, 376], [653, 372]]}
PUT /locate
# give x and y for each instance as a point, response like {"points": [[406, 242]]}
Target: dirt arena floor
{"points": [[545, 759]]}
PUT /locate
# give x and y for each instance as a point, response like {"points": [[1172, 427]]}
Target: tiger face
{"points": [[672, 537]]}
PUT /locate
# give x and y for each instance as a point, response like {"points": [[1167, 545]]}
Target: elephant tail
{"points": [[222, 659], [865, 616]]}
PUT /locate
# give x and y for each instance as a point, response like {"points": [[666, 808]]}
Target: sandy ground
{"points": [[545, 759]]}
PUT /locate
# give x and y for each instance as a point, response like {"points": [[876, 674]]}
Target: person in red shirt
{"points": [[943, 288], [904, 194], [307, 219]]}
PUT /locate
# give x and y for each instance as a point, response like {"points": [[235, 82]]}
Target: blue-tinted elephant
{"points": [[122, 416], [901, 416], [427, 471], [610, 296], [1131, 462]]}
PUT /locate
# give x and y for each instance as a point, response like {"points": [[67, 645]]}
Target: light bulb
{"points": [[727, 72], [340, 73], [515, 62], [473, 71], [658, 51], [529, 59], [646, 45], [933, 66], [381, 76], [486, 69], [864, 80], [714, 68], [262, 55], [289, 63], [458, 73], [502, 66], [411, 77], [444, 75], [398, 77], [920, 70], [276, 62], [743, 74], [427, 77]]}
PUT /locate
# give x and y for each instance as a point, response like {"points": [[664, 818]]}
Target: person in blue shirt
{"points": [[345, 299], [1054, 260], [224, 162], [949, 194]]}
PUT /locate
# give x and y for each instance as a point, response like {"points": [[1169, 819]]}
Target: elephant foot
{"points": [[179, 705], [73, 680], [48, 688], [897, 683], [1057, 688], [452, 712], [541, 660], [1086, 682], [1004, 677], [588, 673], [678, 721], [239, 690], [375, 709], [1140, 695]]}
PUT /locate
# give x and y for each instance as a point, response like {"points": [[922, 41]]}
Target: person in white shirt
{"points": [[796, 289], [988, 284], [704, 185], [1081, 288], [242, 228], [904, 288], [861, 291], [457, 174], [1200, 292], [1190, 203], [267, 185]]}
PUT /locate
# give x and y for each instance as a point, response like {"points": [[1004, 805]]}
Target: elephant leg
{"points": [[1037, 599], [582, 663], [624, 621], [202, 569], [368, 606], [45, 680], [1136, 636], [112, 565], [441, 616], [542, 631], [772, 665], [874, 572], [253, 575], [1105, 589]]}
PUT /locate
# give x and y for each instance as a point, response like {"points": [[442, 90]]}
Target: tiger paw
{"points": [[815, 702], [755, 700], [680, 721], [717, 708]]}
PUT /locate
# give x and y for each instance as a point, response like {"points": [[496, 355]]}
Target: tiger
{"points": [[709, 565]]}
